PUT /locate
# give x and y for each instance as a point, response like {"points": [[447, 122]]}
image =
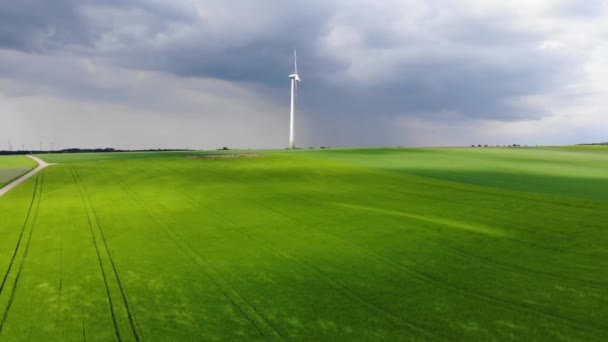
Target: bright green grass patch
{"points": [[11, 167], [324, 245], [16, 161], [593, 148]]}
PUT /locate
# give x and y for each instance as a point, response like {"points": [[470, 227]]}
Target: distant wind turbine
{"points": [[294, 89]]}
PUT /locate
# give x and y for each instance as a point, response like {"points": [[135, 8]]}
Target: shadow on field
{"points": [[578, 187]]}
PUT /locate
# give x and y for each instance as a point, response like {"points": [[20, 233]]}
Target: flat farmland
{"points": [[337, 244], [12, 167]]}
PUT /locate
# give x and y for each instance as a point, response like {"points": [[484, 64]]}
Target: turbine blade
{"points": [[295, 61]]}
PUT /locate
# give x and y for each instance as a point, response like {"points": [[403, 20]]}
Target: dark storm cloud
{"points": [[46, 26], [250, 49], [34, 25], [127, 33], [468, 87]]}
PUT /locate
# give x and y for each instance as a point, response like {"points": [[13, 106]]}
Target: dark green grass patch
{"points": [[549, 171]]}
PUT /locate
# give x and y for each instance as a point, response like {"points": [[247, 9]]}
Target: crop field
{"points": [[336, 244], [12, 167]]}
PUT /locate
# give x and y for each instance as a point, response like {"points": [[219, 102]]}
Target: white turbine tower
{"points": [[294, 88]]}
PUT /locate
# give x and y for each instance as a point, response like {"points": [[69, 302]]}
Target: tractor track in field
{"points": [[90, 211], [132, 318], [439, 283], [103, 274], [60, 297], [347, 293], [84, 331], [31, 215], [249, 312], [27, 217], [60, 262]]}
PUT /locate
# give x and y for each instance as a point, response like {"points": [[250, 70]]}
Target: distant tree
{"points": [[225, 148], [479, 145]]}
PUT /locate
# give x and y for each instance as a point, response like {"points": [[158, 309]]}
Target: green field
{"points": [[11, 167], [339, 244]]}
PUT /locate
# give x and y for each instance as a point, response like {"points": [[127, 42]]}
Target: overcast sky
{"points": [[213, 73]]}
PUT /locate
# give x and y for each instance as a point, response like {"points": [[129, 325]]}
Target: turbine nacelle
{"points": [[296, 77]]}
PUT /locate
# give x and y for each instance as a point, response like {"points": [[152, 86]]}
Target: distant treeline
{"points": [[514, 145], [82, 150], [602, 143]]}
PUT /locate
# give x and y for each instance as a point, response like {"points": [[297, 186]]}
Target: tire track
{"points": [[103, 272], [263, 327], [34, 216], [84, 332], [27, 217], [60, 297], [132, 319]]}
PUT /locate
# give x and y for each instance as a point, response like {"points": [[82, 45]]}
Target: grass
{"points": [[87, 157], [12, 167], [348, 244], [594, 148]]}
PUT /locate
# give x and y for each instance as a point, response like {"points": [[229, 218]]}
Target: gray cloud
{"points": [[33, 25], [360, 61]]}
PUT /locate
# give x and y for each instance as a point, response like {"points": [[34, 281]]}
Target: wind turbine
{"points": [[294, 88]]}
